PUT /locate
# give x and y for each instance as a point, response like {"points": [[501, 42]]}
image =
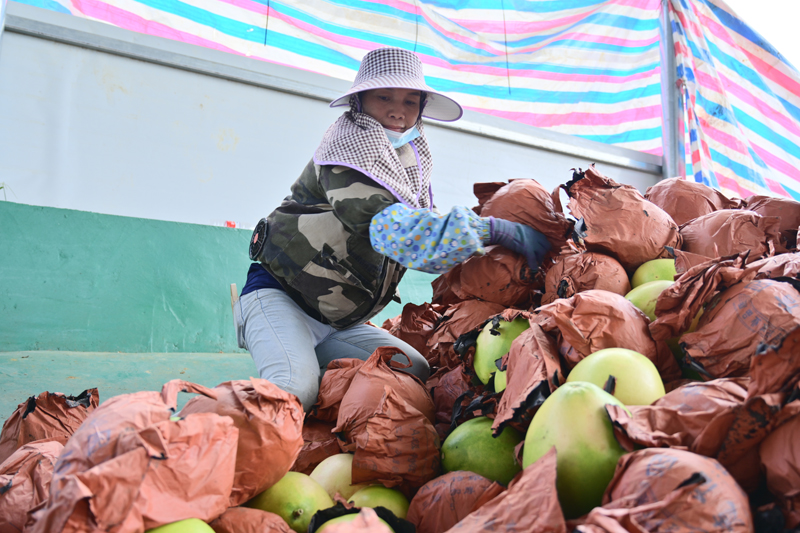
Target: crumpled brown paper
{"points": [[446, 386], [787, 210], [335, 382], [679, 303], [484, 191], [780, 459], [268, 418], [775, 367], [572, 273], [443, 502], [674, 491], [130, 467], [593, 320], [456, 321], [527, 202], [47, 416], [731, 231], [686, 200], [783, 265], [737, 321], [533, 371], [25, 481], [247, 520], [529, 504], [366, 392], [398, 447], [166, 472], [416, 325], [619, 221], [319, 443], [500, 276], [680, 417]]}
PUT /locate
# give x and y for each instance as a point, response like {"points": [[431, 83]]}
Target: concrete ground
{"points": [[25, 374]]}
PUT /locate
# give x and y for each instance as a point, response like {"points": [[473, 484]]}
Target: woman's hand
{"points": [[519, 238]]}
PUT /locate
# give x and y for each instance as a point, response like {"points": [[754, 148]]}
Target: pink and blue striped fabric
{"points": [[584, 67], [589, 68], [742, 103]]}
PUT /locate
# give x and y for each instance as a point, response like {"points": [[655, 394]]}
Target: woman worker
{"points": [[331, 255]]}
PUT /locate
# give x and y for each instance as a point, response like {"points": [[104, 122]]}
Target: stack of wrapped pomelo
{"points": [[645, 379]]}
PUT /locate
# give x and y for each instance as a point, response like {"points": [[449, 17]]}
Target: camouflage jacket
{"points": [[318, 245]]}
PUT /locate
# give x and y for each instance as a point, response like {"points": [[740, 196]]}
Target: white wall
{"points": [[97, 118]]}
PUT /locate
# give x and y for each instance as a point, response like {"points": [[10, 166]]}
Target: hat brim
{"points": [[437, 105]]}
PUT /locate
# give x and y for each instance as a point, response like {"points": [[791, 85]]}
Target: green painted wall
{"points": [[79, 281]]}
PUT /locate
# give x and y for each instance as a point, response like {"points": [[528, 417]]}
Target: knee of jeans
{"points": [[306, 389]]}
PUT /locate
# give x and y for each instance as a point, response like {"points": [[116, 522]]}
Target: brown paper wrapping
{"points": [[47, 416], [780, 459], [457, 320], [527, 202], [25, 481], [319, 443], [484, 191], [366, 392], [166, 472], [447, 288], [686, 200], [529, 504], [416, 325], [776, 367], [333, 387], [446, 386], [398, 447], [737, 321], [573, 273], [783, 265], [731, 231], [594, 320], [533, 371], [619, 221], [443, 502], [500, 276], [787, 211], [680, 417], [268, 418], [679, 303], [675, 491], [247, 520]]}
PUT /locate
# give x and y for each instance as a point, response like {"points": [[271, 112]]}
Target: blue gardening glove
{"points": [[519, 238]]}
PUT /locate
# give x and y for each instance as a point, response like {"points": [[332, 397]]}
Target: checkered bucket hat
{"points": [[395, 68]]}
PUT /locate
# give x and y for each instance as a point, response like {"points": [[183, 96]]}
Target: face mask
{"points": [[399, 139]]}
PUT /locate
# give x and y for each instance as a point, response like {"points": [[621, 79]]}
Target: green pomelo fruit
{"points": [[295, 498], [500, 382], [471, 447], [636, 378], [379, 496], [346, 518], [574, 420], [645, 296], [190, 525], [489, 348], [335, 474], [657, 269]]}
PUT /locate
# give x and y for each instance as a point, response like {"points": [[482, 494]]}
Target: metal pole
{"points": [[2, 18], [674, 164]]}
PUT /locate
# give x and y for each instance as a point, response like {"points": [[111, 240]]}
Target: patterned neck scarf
{"points": [[357, 140]]}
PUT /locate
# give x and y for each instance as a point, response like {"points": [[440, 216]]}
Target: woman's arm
{"points": [[424, 240]]}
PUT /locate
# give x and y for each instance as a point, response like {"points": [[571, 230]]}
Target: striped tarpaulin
{"points": [[584, 67], [742, 101]]}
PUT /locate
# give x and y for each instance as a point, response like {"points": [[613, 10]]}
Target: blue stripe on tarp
{"points": [[551, 97], [624, 137], [541, 6], [743, 171], [765, 132], [47, 4]]}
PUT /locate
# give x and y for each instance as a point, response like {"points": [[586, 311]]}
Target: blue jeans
{"points": [[292, 350]]}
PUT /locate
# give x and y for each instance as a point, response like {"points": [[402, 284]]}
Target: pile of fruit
{"points": [[646, 378]]}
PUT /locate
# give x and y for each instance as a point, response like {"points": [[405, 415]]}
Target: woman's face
{"points": [[395, 109]]}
